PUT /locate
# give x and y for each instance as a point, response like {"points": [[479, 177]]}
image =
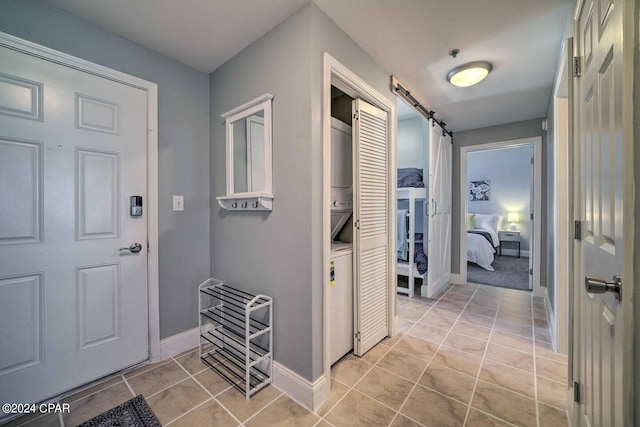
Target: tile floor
{"points": [[478, 356]]}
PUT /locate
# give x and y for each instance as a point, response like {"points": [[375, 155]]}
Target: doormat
{"points": [[132, 413]]}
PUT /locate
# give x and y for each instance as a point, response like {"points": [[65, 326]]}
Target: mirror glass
{"points": [[249, 153]]}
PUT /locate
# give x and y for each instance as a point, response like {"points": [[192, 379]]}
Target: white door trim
{"points": [[30, 48], [346, 80], [562, 205], [538, 290]]}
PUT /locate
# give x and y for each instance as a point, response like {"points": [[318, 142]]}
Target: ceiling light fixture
{"points": [[469, 74]]}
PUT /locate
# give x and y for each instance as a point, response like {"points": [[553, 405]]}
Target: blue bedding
{"points": [[410, 177], [419, 257]]}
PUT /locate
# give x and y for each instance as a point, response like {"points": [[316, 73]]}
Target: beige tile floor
{"points": [[478, 356]]}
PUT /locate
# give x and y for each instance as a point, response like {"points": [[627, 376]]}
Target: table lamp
{"points": [[513, 217]]}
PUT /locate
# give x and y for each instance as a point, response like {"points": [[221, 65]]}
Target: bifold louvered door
{"points": [[439, 246], [371, 261]]}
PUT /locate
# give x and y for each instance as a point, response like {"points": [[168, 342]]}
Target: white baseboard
{"points": [[457, 279], [308, 394], [178, 343], [551, 320]]}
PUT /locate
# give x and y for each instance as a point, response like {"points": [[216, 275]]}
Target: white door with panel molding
{"points": [[604, 143], [73, 150], [371, 234], [439, 245]]}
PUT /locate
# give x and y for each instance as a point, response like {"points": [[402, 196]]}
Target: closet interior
{"points": [[341, 265]]}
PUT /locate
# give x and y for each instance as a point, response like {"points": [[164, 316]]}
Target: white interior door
{"points": [[439, 244], [73, 308], [606, 247], [532, 230], [371, 234]]}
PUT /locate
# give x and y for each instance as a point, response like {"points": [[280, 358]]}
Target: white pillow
{"points": [[488, 222]]}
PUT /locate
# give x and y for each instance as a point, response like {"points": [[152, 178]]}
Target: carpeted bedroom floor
{"points": [[510, 272]]}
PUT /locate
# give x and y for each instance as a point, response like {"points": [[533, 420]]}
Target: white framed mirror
{"points": [[248, 130]]}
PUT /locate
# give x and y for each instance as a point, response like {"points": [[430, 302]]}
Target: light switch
{"points": [[178, 203]]}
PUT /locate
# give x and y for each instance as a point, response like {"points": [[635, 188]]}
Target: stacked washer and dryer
{"points": [[341, 285]]}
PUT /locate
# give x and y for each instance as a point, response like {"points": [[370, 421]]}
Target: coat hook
{"points": [[255, 204], [244, 205], [234, 205]]}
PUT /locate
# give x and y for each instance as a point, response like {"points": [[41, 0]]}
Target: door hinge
{"points": [[577, 67], [531, 272], [576, 392], [148, 247], [358, 336], [357, 224], [577, 233], [531, 216], [356, 115]]}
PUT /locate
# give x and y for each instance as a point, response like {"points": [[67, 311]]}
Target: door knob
{"points": [[594, 285], [134, 248]]}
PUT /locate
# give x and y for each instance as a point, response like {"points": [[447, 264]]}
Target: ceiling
{"points": [[203, 34], [521, 38]]}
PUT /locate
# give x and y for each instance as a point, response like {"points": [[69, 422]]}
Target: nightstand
{"points": [[509, 236]]}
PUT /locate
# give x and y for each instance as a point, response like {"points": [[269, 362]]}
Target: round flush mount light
{"points": [[469, 74]]}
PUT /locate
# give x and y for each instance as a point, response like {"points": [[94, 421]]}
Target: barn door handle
{"points": [[134, 248], [435, 208], [594, 285]]}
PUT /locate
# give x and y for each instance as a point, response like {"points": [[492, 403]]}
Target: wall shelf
{"points": [[236, 335], [246, 202]]}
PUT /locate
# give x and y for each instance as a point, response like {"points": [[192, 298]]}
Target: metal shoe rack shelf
{"points": [[236, 335]]}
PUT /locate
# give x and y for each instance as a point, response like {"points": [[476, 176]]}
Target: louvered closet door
{"points": [[439, 250], [371, 303]]}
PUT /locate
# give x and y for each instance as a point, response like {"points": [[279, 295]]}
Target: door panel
{"points": [[73, 308], [20, 191], [439, 250], [600, 153], [371, 305], [21, 322]]}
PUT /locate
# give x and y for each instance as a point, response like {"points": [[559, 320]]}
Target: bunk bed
{"points": [[412, 260]]}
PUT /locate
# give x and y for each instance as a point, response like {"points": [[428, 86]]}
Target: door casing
{"points": [[538, 291], [336, 74], [33, 49]]}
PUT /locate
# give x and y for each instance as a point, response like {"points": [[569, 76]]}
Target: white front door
{"points": [[604, 143], [73, 306], [439, 244], [371, 234]]}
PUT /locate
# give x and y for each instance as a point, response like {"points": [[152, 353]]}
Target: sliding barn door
{"points": [[439, 244], [371, 234]]}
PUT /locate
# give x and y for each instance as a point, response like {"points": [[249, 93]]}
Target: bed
{"points": [[412, 260], [482, 239]]}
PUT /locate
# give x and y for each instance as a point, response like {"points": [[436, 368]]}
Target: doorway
{"points": [[507, 237], [337, 75]]}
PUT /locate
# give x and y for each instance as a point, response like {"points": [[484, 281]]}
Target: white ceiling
{"points": [[203, 34], [412, 38], [408, 38]]}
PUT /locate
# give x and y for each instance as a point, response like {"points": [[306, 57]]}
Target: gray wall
{"points": [[270, 252], [413, 144], [183, 142], [412, 150], [551, 279], [524, 129], [279, 253], [508, 171]]}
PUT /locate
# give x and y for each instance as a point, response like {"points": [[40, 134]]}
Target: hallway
{"points": [[468, 358]]}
